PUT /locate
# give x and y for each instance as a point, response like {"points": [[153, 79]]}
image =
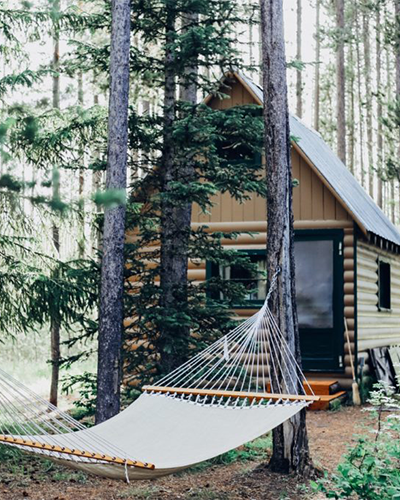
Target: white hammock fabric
{"points": [[239, 388]]}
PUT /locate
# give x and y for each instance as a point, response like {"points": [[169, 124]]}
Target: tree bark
{"points": [[299, 82], [351, 98], [251, 41], [368, 100], [379, 110], [55, 326], [397, 53], [175, 219], [260, 55], [290, 441], [81, 240], [359, 98], [397, 64], [97, 179], [317, 90], [112, 265], [340, 83]]}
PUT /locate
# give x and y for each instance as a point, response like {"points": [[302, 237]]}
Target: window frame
{"points": [[383, 260], [249, 304]]}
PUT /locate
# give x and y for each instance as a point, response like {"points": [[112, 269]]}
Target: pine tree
{"points": [[368, 97], [351, 90], [360, 97], [112, 265], [299, 83], [55, 325], [290, 442], [379, 113], [317, 37], [340, 81], [190, 164]]}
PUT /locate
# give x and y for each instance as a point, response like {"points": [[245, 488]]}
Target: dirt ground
{"points": [[329, 433]]}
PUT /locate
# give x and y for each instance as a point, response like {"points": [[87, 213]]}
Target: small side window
{"points": [[383, 285]]}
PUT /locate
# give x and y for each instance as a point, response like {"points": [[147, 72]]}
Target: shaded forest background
{"points": [[344, 81]]}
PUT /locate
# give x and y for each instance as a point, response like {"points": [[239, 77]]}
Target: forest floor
{"points": [[234, 476]]}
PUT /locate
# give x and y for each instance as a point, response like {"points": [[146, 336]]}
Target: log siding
{"points": [[376, 328]]}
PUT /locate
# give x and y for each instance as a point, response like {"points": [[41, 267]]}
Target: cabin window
{"points": [[314, 281], [234, 153], [255, 285], [383, 285]]}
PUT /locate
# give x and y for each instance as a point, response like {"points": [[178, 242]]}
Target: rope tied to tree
{"points": [[272, 285]]}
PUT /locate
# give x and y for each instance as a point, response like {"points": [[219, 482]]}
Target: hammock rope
{"points": [[250, 368]]}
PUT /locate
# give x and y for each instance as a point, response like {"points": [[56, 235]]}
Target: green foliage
{"points": [[370, 470], [26, 78], [33, 294], [221, 144], [36, 287], [223, 148], [86, 383], [20, 469]]}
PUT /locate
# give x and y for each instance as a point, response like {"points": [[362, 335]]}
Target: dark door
{"points": [[319, 293]]}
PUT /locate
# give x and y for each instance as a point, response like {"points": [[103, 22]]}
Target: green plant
{"points": [[370, 470], [366, 386], [65, 475], [336, 405]]}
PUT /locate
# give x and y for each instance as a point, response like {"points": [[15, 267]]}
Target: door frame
{"points": [[335, 235]]}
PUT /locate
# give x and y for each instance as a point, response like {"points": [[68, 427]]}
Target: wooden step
{"points": [[327, 402], [322, 387]]}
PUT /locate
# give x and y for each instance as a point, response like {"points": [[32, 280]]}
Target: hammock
{"points": [[236, 390]]}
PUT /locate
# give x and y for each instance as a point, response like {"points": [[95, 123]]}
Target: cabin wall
{"points": [[312, 200], [197, 271], [376, 328], [314, 206]]}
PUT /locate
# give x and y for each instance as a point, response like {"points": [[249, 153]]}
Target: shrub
{"points": [[371, 469]]}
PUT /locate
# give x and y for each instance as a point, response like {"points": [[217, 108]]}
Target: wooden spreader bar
{"points": [[229, 394], [74, 452]]}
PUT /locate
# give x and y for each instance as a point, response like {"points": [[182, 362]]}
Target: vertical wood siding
{"points": [[311, 199]]}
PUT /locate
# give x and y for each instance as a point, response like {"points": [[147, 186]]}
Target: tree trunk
{"points": [[251, 41], [112, 264], [368, 100], [97, 178], [397, 54], [55, 325], [317, 97], [379, 197], [340, 83], [359, 98], [260, 55], [175, 219], [397, 64], [290, 442], [81, 239], [299, 82], [351, 99], [392, 201]]}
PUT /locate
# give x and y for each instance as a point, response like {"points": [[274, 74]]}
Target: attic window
{"points": [[231, 152], [383, 285]]}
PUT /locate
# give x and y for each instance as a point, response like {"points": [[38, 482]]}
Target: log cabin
{"points": [[346, 251]]}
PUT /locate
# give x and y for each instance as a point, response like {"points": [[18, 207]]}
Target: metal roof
{"points": [[358, 202]]}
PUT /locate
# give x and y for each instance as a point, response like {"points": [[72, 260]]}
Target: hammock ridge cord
{"points": [[253, 357]]}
